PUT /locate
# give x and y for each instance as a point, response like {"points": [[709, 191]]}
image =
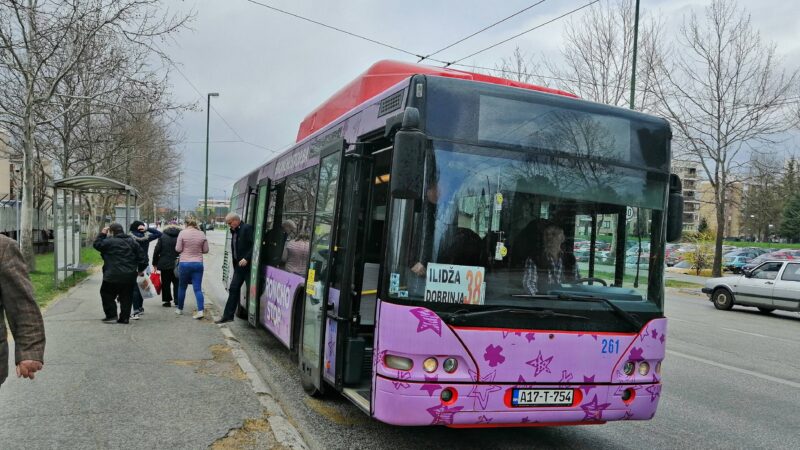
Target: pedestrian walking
{"points": [[123, 259], [241, 253], [143, 236], [18, 306], [165, 257], [191, 244]]}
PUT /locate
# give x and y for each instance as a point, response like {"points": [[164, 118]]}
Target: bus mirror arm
{"points": [[675, 209], [408, 158]]}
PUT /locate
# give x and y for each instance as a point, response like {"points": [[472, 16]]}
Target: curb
{"points": [[284, 431]]}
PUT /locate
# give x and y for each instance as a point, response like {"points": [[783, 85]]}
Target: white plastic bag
{"points": [[146, 287]]}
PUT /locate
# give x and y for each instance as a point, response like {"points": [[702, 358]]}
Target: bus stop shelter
{"points": [[67, 195]]}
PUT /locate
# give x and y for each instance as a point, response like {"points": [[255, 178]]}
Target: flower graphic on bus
{"points": [[494, 355]]}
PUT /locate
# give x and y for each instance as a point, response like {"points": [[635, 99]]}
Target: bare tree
{"points": [[598, 52], [520, 67], [724, 91], [41, 44]]}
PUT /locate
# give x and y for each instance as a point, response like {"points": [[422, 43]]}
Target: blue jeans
{"points": [[136, 299], [191, 271]]}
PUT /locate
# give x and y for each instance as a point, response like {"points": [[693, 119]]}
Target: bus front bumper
{"points": [[402, 402]]}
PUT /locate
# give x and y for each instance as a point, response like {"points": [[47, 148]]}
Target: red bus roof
{"points": [[383, 75]]}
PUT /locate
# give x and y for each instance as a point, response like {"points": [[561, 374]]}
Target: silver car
{"points": [[770, 286]]}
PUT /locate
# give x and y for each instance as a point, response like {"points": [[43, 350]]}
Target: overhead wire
{"points": [[524, 32], [350, 33], [481, 30]]}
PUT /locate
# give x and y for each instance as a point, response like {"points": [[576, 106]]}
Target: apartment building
{"points": [[690, 176]]}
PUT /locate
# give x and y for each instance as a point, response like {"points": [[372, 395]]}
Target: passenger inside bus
{"points": [[549, 266], [276, 241], [295, 253]]}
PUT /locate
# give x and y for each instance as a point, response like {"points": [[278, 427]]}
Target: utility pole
{"points": [[179, 195], [635, 43], [208, 119]]}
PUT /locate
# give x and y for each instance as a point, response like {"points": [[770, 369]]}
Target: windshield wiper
{"points": [[461, 315], [619, 311]]}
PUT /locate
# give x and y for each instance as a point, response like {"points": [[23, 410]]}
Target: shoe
{"points": [[178, 311], [136, 316], [223, 320], [166, 304], [198, 315], [122, 322], [110, 320]]}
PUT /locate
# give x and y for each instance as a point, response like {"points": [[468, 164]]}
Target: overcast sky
{"points": [[271, 69]]}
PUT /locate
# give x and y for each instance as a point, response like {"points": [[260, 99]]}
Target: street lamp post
{"points": [[208, 119]]}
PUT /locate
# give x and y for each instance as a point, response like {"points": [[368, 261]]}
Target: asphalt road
{"points": [[731, 380]]}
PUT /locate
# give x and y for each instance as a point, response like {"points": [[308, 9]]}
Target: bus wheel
{"points": [[305, 380], [722, 299], [766, 310]]}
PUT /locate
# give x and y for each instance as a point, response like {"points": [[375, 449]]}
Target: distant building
{"points": [[216, 208], [688, 173], [733, 208]]}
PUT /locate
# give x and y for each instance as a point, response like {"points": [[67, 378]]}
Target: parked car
{"points": [[581, 255], [779, 255], [771, 285], [735, 263], [644, 261], [687, 268]]}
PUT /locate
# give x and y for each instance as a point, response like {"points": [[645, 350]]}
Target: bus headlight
{"points": [[398, 362], [450, 365], [644, 368], [628, 368], [430, 365]]}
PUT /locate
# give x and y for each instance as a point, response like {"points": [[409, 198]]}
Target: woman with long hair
{"points": [[191, 245]]}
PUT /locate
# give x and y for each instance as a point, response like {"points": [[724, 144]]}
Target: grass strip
{"points": [[42, 278]]}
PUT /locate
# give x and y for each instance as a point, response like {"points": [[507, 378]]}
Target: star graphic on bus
{"points": [[662, 338], [443, 415], [566, 378], [540, 364], [428, 320], [627, 415], [494, 355], [588, 387], [481, 391], [399, 383], [654, 334], [593, 410], [530, 337], [655, 391], [430, 385], [484, 419]]}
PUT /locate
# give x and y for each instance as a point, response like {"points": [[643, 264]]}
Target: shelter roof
{"points": [[94, 183]]}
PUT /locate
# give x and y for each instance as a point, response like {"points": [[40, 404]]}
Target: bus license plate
{"points": [[541, 397]]}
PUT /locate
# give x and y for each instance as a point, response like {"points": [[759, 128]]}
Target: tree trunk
{"points": [[716, 268], [26, 221]]}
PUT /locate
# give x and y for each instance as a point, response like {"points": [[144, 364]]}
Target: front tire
{"points": [[766, 310], [723, 299]]}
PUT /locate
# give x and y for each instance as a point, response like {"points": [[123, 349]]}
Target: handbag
{"points": [[155, 278], [145, 287]]}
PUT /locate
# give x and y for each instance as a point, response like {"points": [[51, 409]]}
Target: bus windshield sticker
{"points": [[394, 283], [310, 287], [500, 251], [454, 284]]}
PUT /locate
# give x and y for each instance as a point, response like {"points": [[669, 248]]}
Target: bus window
{"points": [[290, 222]]}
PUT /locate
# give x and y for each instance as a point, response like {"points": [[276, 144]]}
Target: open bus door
{"points": [[255, 264], [318, 296]]}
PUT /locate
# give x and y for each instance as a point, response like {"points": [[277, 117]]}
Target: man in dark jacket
{"points": [[24, 318], [123, 259], [241, 255], [142, 235], [164, 260]]}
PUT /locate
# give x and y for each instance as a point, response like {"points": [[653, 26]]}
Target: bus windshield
{"points": [[510, 227]]}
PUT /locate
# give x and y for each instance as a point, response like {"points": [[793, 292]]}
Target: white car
{"points": [[770, 286]]}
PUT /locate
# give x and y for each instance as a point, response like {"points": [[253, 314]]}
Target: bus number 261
{"points": [[610, 346]]}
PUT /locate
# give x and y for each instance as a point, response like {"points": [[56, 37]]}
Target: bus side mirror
{"points": [[675, 209], [408, 159]]}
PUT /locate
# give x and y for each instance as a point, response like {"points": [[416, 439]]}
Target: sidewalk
{"points": [[165, 381]]}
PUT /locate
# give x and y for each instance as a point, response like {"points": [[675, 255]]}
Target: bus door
{"points": [[249, 217], [256, 282], [317, 295]]}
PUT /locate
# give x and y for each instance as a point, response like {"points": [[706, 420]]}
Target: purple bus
{"points": [[415, 251]]}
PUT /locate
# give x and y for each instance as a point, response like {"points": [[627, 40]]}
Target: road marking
{"points": [[746, 332], [737, 369]]}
